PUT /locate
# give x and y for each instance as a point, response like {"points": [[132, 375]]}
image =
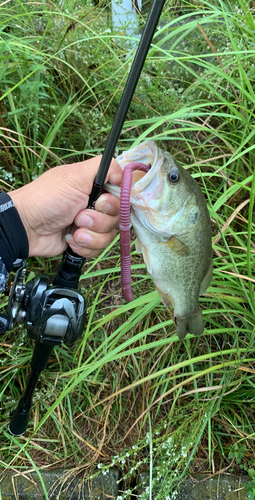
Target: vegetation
{"points": [[129, 393]]}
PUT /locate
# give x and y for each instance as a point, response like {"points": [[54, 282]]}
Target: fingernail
{"points": [[68, 238], [83, 239], [103, 206], [85, 221]]}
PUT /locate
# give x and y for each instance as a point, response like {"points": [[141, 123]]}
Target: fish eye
{"points": [[174, 177]]}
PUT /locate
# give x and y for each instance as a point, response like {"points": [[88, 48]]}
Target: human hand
{"points": [[53, 210]]}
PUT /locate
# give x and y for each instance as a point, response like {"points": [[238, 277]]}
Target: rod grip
{"points": [[69, 271]]}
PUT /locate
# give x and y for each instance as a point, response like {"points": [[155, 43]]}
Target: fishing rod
{"points": [[70, 268], [56, 314]]}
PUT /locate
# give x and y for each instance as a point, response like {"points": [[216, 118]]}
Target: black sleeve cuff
{"points": [[13, 237]]}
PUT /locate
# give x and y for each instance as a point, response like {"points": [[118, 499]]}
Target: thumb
{"points": [[114, 175], [81, 175]]}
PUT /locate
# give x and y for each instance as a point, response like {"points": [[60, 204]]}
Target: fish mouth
{"points": [[144, 185]]}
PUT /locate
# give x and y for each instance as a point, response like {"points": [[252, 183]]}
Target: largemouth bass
{"points": [[173, 227]]}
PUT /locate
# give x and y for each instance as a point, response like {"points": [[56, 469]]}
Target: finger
{"points": [[100, 221], [88, 244], [114, 175], [81, 175], [97, 222], [108, 204]]}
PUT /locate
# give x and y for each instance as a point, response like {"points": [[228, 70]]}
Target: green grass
{"points": [[129, 393]]}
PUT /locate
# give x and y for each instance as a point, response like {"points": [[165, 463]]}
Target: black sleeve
{"points": [[13, 237]]}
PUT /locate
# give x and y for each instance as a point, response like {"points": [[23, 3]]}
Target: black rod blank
{"points": [[127, 95], [63, 277]]}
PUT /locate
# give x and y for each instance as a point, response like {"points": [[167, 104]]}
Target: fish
{"points": [[173, 228]]}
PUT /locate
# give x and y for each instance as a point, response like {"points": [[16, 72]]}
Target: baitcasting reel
{"points": [[50, 313]]}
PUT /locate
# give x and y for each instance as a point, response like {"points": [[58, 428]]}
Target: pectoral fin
{"points": [[138, 246], [146, 256], [177, 246]]}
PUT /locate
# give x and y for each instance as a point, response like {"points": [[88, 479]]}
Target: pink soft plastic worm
{"points": [[125, 226]]}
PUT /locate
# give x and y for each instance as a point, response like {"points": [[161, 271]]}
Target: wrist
{"points": [[18, 201], [13, 236]]}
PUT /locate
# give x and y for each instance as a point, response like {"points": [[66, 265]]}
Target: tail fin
{"points": [[191, 324]]}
